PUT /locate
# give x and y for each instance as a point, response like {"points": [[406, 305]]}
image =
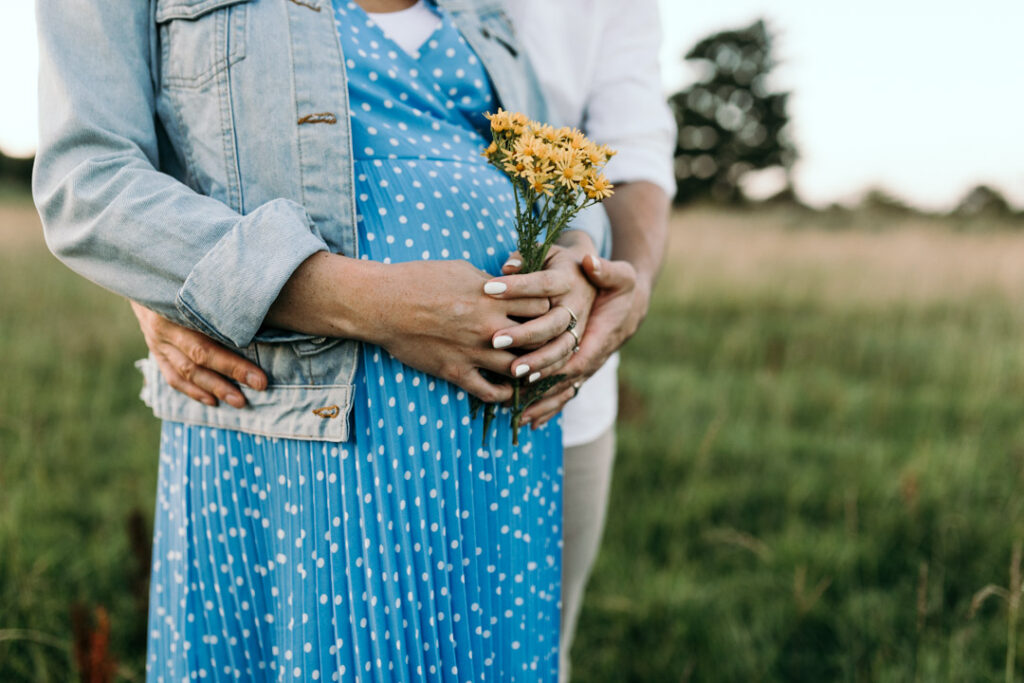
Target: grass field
{"points": [[820, 467]]}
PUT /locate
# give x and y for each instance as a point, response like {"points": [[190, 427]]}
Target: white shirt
{"points": [[409, 27], [597, 61], [598, 65]]}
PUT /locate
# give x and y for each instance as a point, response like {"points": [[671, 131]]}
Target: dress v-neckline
{"points": [[425, 47]]}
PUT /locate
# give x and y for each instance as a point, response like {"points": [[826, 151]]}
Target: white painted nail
{"points": [[522, 370], [495, 287], [502, 341], [512, 263], [534, 377]]}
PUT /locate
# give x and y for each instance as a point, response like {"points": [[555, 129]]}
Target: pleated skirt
{"points": [[411, 553]]}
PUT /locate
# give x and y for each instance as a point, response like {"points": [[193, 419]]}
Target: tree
{"points": [[15, 171], [983, 200], [729, 124]]}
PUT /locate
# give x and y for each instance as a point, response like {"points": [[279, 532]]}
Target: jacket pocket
{"points": [[199, 39]]}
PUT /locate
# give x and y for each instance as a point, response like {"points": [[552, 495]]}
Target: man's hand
{"points": [[638, 212], [618, 310], [196, 365], [552, 357]]}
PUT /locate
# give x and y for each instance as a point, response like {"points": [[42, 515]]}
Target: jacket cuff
{"points": [[229, 291]]}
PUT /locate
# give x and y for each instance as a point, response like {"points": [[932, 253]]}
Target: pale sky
{"points": [[924, 98]]}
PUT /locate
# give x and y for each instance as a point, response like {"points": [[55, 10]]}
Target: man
{"points": [[606, 80]]}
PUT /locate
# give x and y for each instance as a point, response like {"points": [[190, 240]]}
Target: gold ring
{"points": [[576, 340], [573, 320]]}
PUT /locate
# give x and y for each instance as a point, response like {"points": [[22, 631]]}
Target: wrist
{"points": [[643, 291], [331, 295], [578, 242]]}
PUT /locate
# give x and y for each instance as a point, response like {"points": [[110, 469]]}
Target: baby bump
{"points": [[435, 210]]}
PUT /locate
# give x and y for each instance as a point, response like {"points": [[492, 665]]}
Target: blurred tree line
{"points": [[15, 171], [730, 122]]}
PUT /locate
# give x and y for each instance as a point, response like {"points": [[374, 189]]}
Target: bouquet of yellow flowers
{"points": [[555, 173]]}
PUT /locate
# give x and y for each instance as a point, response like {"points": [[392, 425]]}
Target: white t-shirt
{"points": [[606, 80], [410, 27]]}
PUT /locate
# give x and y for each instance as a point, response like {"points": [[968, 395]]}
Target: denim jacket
{"points": [[194, 152]]}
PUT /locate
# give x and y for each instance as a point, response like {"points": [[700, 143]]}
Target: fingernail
{"points": [[534, 377], [495, 287], [597, 264], [235, 399], [210, 402], [502, 341], [254, 381], [522, 370], [512, 263]]}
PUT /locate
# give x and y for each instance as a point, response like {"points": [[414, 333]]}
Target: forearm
{"points": [[331, 295], [638, 213]]}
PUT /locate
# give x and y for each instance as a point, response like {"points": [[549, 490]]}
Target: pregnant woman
{"points": [[303, 182]]}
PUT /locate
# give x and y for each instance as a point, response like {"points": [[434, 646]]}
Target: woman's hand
{"points": [[196, 365], [436, 316]]}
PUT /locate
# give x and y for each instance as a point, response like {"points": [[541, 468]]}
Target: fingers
{"points": [[544, 283], [472, 381], [528, 307], [513, 264], [498, 362], [534, 332], [208, 354], [197, 382], [545, 361], [543, 410], [605, 274], [178, 383]]}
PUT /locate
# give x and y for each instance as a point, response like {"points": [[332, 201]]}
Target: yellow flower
{"points": [[518, 166], [574, 139], [538, 184], [500, 120], [527, 145], [569, 170], [598, 187], [548, 133], [518, 122]]}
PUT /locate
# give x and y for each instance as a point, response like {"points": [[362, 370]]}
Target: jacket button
{"points": [[327, 412]]}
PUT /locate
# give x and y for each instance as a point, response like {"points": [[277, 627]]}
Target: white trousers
{"points": [[588, 474]]}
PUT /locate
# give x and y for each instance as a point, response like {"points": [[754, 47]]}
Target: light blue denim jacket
{"points": [[194, 152]]}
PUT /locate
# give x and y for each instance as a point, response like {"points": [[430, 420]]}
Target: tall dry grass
{"points": [[918, 261]]}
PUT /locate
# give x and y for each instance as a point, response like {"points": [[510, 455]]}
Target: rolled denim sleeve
{"points": [[113, 217]]}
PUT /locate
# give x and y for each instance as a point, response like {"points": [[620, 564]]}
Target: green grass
{"points": [[806, 489], [809, 493]]}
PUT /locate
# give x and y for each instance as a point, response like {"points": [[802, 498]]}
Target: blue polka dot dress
{"points": [[409, 553]]}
